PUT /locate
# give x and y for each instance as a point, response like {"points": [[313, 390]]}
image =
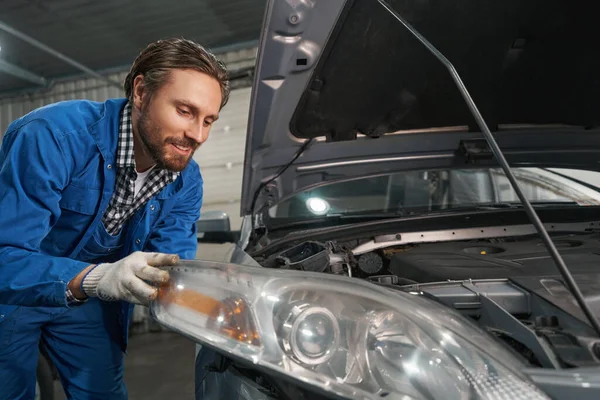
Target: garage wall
{"points": [[12, 108], [220, 158]]}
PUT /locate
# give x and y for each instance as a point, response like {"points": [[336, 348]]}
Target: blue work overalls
{"points": [[84, 365], [56, 179]]}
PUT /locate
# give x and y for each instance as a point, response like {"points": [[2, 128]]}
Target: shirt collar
{"points": [[125, 146]]}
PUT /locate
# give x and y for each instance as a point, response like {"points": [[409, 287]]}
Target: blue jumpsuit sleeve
{"points": [[176, 233], [34, 169]]}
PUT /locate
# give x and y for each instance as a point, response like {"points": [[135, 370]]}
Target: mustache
{"points": [[183, 142]]}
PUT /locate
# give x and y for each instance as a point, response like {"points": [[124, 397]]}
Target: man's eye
{"points": [[183, 112], [207, 123]]}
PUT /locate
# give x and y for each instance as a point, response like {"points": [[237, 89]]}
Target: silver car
{"points": [[421, 209]]}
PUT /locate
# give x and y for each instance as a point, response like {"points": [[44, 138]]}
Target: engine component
{"points": [[465, 260], [384, 279], [370, 263], [307, 256], [315, 257], [391, 280], [339, 262]]}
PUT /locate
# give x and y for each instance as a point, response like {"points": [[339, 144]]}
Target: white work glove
{"points": [[124, 279]]}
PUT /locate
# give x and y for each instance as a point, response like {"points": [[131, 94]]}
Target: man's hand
{"points": [[124, 279]]}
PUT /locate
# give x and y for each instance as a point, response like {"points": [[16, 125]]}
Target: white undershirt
{"points": [[140, 180]]}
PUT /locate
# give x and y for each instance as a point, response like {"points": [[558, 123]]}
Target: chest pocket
{"points": [[78, 207], [79, 200], [103, 247]]}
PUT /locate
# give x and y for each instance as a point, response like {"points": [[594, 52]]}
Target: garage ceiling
{"points": [[107, 35]]}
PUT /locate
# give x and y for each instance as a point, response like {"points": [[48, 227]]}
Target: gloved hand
{"points": [[124, 279]]}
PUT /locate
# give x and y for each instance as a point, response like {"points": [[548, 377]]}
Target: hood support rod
{"points": [[562, 267]]}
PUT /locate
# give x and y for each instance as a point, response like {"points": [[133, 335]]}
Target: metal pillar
{"points": [[21, 73], [56, 54]]}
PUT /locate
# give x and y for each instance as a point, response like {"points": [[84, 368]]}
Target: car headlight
{"points": [[345, 336]]}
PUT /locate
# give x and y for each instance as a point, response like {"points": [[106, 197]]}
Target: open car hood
{"points": [[349, 75]]}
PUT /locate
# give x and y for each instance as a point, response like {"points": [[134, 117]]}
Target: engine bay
{"points": [[509, 286]]}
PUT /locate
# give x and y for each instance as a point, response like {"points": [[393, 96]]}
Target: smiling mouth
{"points": [[182, 149]]}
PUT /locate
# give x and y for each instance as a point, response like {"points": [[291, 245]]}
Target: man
{"points": [[93, 198]]}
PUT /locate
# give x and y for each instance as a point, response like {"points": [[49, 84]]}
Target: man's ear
{"points": [[139, 91]]}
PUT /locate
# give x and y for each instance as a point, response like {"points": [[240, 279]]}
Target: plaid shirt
{"points": [[123, 204]]}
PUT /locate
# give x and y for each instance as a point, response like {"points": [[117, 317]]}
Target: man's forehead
{"points": [[196, 90]]}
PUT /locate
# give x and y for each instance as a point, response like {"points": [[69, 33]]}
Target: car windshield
{"points": [[424, 191]]}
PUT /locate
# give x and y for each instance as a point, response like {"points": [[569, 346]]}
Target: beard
{"points": [[157, 146]]}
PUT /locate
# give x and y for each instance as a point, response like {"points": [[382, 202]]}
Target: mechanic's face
{"points": [[176, 119]]}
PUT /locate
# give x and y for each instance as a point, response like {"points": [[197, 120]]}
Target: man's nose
{"points": [[197, 133]]}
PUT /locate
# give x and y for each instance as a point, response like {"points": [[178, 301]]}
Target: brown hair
{"points": [[158, 58]]}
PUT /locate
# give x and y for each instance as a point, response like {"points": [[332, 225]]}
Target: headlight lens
{"points": [[344, 336], [307, 332]]}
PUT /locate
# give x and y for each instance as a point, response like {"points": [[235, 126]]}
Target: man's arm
{"points": [[176, 233], [35, 167], [75, 285]]}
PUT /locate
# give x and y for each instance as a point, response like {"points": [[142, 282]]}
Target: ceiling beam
{"points": [[21, 73], [51, 51]]}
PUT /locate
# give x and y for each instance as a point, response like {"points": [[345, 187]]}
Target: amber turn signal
{"points": [[231, 317]]}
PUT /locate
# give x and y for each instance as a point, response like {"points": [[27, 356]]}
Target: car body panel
{"points": [[578, 383], [367, 78], [228, 384]]}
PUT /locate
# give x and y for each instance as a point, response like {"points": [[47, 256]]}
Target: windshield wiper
{"points": [[332, 219], [364, 216], [417, 211], [540, 203], [562, 267]]}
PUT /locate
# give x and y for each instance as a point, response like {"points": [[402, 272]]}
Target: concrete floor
{"points": [[159, 366]]}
